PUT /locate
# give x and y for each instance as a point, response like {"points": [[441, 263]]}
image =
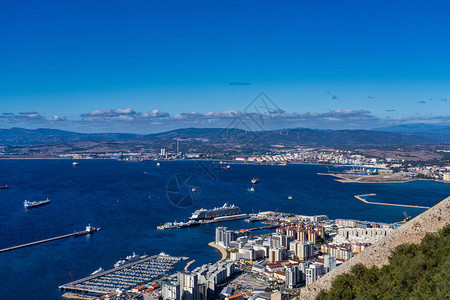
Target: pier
{"points": [[189, 264], [360, 198], [124, 277], [77, 296], [259, 228], [79, 233]]}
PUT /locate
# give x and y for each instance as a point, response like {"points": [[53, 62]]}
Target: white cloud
{"points": [[55, 118], [154, 114], [128, 120], [109, 113]]}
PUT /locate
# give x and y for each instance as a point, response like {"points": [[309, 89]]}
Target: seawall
{"points": [[222, 250]]}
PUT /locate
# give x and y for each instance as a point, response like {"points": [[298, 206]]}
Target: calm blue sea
{"points": [[129, 199]]}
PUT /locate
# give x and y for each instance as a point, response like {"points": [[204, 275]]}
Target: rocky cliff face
{"points": [[412, 232]]}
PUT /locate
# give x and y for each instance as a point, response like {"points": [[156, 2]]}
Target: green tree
{"points": [[414, 272]]}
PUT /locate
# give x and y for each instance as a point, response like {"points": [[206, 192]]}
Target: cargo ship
{"points": [[89, 229], [207, 214], [31, 204], [3, 187]]}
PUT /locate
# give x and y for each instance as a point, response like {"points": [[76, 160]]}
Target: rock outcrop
{"points": [[412, 232]]}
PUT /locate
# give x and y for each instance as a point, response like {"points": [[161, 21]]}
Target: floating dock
{"points": [[360, 198], [75, 234], [124, 277]]}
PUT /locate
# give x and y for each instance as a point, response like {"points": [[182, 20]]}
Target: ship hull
{"points": [[36, 205], [210, 214]]}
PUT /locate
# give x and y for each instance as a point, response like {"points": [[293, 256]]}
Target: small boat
{"points": [[167, 225], [158, 164], [99, 270], [119, 263], [249, 220], [251, 189], [255, 180], [75, 164], [3, 187], [129, 259], [290, 197]]}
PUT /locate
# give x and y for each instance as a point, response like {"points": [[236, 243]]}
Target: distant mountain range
{"points": [[193, 138], [418, 128], [439, 134], [299, 136], [45, 136]]}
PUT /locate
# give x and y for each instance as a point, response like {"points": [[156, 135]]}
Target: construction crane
{"points": [[78, 295], [407, 218]]}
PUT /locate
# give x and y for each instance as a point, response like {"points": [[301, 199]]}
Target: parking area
{"points": [[247, 283]]}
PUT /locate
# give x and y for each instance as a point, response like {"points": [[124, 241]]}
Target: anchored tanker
{"points": [[225, 210], [31, 204]]}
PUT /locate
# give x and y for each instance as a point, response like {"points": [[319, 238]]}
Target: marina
{"points": [[124, 277]]}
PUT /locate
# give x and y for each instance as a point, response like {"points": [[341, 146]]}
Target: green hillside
{"points": [[414, 272]]}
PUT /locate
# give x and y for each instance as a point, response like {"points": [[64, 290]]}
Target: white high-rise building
{"points": [[277, 254], [329, 263], [305, 250], [313, 272], [170, 291], [188, 285], [293, 277], [220, 232]]}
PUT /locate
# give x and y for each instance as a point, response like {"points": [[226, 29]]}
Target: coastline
{"points": [[221, 249], [363, 179]]}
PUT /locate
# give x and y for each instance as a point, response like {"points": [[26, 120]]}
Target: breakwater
{"points": [[360, 198]]}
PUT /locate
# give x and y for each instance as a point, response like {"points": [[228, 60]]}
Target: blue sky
{"points": [[110, 65]]}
